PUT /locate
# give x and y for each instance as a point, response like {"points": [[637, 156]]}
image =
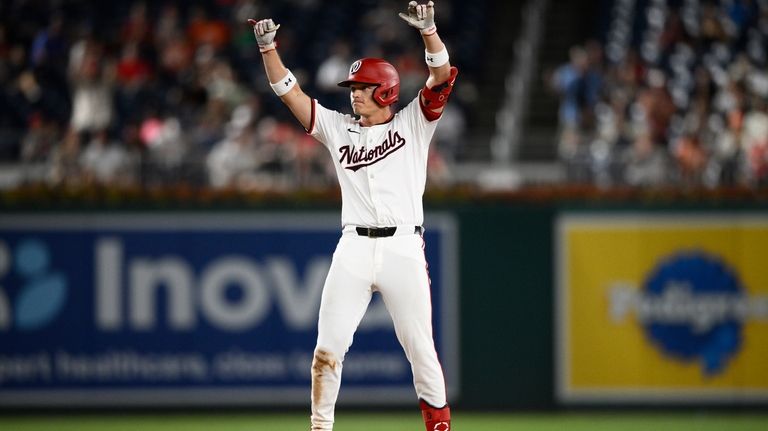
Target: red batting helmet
{"points": [[377, 72]]}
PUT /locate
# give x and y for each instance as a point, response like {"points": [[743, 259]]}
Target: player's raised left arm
{"points": [[441, 74]]}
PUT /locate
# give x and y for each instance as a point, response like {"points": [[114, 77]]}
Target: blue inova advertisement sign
{"points": [[192, 309]]}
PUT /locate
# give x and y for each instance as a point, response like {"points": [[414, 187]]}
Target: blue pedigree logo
{"points": [[692, 306], [694, 309], [37, 290]]}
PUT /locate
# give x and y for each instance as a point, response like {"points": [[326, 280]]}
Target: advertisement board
{"points": [[662, 308], [155, 309]]}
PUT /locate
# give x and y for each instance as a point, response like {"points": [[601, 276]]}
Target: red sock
{"points": [[436, 419]]}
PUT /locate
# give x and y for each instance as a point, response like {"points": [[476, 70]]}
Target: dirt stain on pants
{"points": [[321, 362]]}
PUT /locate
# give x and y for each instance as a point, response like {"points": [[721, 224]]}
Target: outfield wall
{"points": [[537, 305]]}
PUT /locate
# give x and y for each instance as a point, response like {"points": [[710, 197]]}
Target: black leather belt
{"points": [[380, 232]]}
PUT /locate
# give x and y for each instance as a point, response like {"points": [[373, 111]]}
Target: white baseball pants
{"points": [[396, 268]]}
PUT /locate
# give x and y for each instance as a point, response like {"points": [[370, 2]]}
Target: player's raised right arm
{"points": [[281, 79]]}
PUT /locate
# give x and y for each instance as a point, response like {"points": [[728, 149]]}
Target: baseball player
{"points": [[380, 158]]}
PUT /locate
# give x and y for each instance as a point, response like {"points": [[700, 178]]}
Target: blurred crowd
{"points": [[675, 93], [129, 92]]}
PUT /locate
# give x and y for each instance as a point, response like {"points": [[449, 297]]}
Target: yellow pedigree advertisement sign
{"points": [[658, 308]]}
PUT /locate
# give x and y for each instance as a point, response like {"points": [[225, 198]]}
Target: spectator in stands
{"points": [[167, 147], [691, 158], [37, 144], [168, 25], [579, 84], [23, 100], [313, 168], [712, 25], [278, 150], [92, 85], [333, 70], [568, 82], [754, 143], [106, 161], [49, 46], [205, 30], [742, 16], [64, 161], [449, 134], [132, 69], [726, 152], [48, 53], [656, 104], [411, 70], [136, 28], [673, 32], [646, 164], [221, 85], [234, 160], [593, 82], [382, 29]]}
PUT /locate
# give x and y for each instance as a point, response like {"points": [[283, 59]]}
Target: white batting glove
{"points": [[421, 16], [265, 31]]}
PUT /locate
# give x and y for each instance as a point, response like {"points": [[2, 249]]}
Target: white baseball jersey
{"points": [[382, 169]]}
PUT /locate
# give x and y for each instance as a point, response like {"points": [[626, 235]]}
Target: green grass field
{"points": [[687, 421]]}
